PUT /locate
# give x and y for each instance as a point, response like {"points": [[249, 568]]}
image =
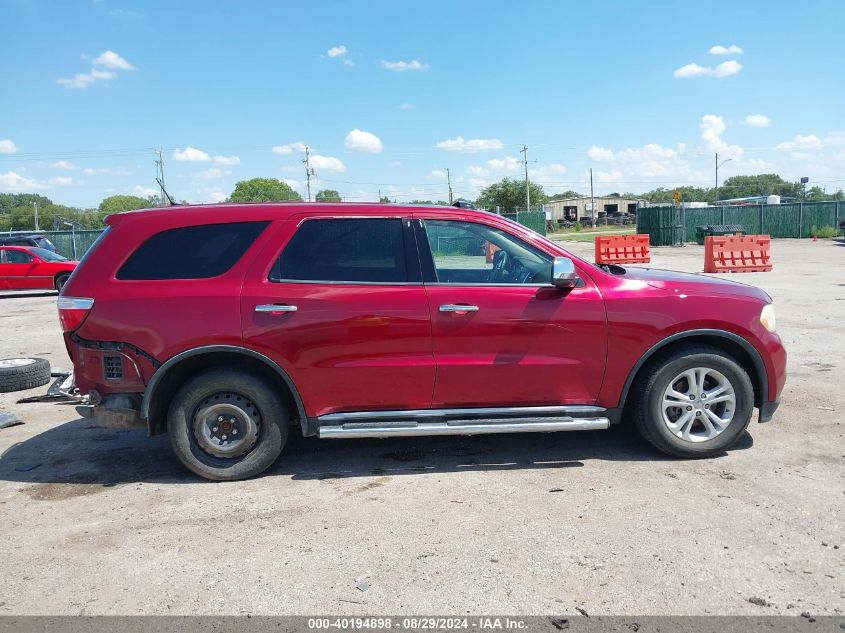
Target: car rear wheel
{"points": [[227, 425], [61, 280], [694, 402], [18, 374]]}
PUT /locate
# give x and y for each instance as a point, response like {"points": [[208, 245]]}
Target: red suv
{"points": [[229, 325]]}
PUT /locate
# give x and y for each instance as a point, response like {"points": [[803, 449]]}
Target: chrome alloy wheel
{"points": [[226, 425], [698, 404]]}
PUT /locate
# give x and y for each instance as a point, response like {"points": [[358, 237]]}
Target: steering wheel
{"points": [[501, 266]]}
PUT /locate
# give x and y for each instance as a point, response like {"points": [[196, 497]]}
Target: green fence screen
{"points": [[534, 220], [668, 226], [73, 244]]}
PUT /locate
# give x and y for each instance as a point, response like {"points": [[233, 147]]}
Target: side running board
{"points": [[461, 422]]}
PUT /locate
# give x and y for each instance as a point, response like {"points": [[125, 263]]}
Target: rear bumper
{"points": [[767, 410]]}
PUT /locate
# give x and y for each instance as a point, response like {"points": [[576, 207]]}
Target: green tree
{"points": [[327, 195], [509, 195], [116, 204], [263, 190], [565, 195], [758, 185], [385, 199]]}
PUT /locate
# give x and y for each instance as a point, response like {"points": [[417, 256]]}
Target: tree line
{"points": [[17, 211]]}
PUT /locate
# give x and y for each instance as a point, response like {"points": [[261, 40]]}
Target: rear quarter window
{"points": [[191, 252]]}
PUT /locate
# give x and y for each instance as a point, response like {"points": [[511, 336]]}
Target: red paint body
{"points": [[37, 274], [354, 347]]}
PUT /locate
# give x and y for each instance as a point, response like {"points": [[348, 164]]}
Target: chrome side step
{"points": [[461, 427]]}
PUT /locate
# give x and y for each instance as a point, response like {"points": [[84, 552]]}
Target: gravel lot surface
{"points": [[101, 521]]}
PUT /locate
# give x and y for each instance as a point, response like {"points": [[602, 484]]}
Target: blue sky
{"points": [[390, 94]]}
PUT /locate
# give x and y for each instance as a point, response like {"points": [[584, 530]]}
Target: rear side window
{"points": [[191, 252], [366, 250]]}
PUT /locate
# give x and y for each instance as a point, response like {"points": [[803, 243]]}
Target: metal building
{"points": [[574, 209]]}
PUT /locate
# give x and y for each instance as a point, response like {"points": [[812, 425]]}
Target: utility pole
{"points": [[308, 171], [527, 190], [449, 181], [160, 168], [592, 199], [35, 206]]}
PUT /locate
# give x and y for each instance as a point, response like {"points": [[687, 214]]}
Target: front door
{"points": [[343, 310], [19, 271], [502, 335]]}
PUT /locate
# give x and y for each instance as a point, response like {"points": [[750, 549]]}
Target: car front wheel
{"points": [[227, 425], [694, 402]]}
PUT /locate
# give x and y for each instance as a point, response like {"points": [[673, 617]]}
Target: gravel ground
{"points": [[107, 522]]}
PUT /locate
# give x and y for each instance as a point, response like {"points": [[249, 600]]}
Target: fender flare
{"points": [[759, 368], [162, 371]]}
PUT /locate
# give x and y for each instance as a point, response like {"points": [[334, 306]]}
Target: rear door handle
{"points": [[457, 307], [273, 308]]}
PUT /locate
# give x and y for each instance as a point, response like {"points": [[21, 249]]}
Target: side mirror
{"points": [[563, 273]]}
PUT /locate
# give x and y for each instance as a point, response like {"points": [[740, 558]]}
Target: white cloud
{"points": [[217, 196], [191, 155], [290, 148], [757, 120], [506, 165], [90, 171], [227, 160], [712, 128], [7, 146], [401, 66], [339, 52], [61, 181], [810, 141], [210, 174], [293, 184], [363, 141], [460, 144], [14, 182], [725, 69], [438, 173], [600, 153], [546, 173], [66, 165], [406, 106], [327, 163], [476, 171], [110, 59], [145, 192], [733, 49]]}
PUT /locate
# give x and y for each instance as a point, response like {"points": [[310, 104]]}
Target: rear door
{"points": [[339, 303], [502, 334]]}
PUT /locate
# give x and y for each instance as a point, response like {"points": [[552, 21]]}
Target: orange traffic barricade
{"points": [[738, 254], [622, 249]]}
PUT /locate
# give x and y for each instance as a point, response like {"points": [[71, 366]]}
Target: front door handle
{"points": [[457, 307], [273, 308]]}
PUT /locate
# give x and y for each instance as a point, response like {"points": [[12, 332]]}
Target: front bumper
{"points": [[767, 410]]}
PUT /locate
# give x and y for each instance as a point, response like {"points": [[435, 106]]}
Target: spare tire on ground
{"points": [[17, 374]]}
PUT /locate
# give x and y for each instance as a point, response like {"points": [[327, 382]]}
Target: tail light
{"points": [[73, 311]]}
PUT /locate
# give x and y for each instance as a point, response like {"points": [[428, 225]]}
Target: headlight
{"points": [[767, 317]]}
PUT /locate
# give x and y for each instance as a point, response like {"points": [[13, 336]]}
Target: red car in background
{"points": [[33, 268]]}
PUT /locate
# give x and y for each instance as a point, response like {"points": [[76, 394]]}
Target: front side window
{"points": [[191, 252], [471, 253], [17, 257], [362, 250]]}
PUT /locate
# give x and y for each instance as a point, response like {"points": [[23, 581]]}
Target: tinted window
{"points": [[17, 257], [48, 256], [358, 249], [192, 252], [472, 253]]}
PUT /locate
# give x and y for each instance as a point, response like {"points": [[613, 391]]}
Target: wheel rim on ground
{"points": [[698, 404], [16, 362], [226, 425]]}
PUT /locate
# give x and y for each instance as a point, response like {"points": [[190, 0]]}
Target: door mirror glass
{"points": [[563, 273]]}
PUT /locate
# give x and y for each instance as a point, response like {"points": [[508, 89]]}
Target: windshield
{"points": [[47, 256]]}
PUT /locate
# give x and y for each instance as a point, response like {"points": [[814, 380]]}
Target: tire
{"points": [[61, 280], [17, 374], [250, 437], [670, 428]]}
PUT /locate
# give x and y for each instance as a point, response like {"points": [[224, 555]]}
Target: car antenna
{"points": [[169, 197]]}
